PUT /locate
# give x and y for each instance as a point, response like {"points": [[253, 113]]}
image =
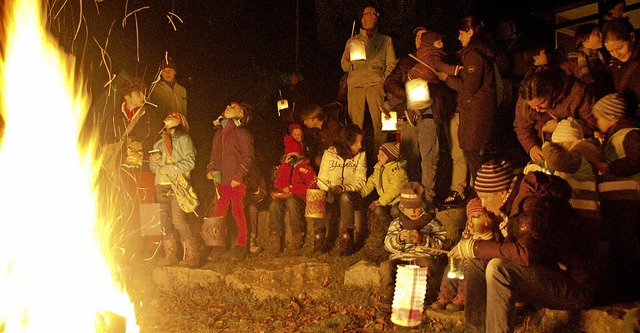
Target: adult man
{"points": [[168, 94], [366, 77], [539, 259]]}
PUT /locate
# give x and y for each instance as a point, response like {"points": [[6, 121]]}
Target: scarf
{"points": [[418, 223], [129, 113], [585, 56], [166, 136]]}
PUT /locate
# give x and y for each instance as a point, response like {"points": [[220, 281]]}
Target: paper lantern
{"points": [[316, 200], [391, 123], [408, 300], [357, 49], [282, 104], [418, 97], [456, 268]]}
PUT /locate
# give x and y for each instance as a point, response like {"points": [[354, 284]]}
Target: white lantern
{"points": [[389, 124], [282, 104], [357, 49], [418, 97], [408, 300]]}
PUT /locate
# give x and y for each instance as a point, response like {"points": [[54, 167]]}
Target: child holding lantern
{"points": [[414, 237], [452, 287]]}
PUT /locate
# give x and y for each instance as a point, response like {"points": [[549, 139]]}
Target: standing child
{"points": [[410, 239], [389, 174], [479, 226], [174, 156], [231, 159], [295, 176]]}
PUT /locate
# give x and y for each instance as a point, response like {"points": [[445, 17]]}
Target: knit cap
{"points": [[475, 206], [392, 150], [494, 176], [611, 107], [568, 130], [412, 195], [293, 127], [429, 37], [292, 145]]}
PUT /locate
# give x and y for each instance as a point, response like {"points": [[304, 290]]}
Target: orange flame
{"points": [[53, 276]]}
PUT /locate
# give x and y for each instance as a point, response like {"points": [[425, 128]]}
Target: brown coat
{"points": [[575, 101], [476, 87]]}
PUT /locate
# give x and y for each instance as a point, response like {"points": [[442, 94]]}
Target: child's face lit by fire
{"points": [[412, 213], [297, 134]]}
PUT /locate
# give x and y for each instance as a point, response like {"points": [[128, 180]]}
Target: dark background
{"points": [[243, 50]]}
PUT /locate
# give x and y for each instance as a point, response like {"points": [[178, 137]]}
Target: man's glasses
{"points": [[371, 13]]}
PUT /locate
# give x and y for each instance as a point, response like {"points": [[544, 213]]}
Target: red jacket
{"points": [[298, 179], [231, 152]]}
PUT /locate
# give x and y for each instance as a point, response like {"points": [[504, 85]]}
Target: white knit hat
{"points": [[567, 130], [611, 107]]}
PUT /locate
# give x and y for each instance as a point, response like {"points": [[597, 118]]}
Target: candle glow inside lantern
{"points": [[282, 104], [389, 124], [357, 49], [456, 268], [418, 97], [408, 300]]}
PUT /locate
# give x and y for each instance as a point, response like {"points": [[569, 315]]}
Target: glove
{"points": [[416, 237], [464, 249], [374, 205], [404, 235], [155, 158]]}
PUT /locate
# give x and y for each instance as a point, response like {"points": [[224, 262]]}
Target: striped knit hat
{"points": [[392, 150], [494, 176], [568, 130], [474, 206], [611, 107]]}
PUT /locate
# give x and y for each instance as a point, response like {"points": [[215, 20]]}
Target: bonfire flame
{"points": [[53, 274]]}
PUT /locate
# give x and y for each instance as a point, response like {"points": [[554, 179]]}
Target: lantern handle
{"points": [[353, 28], [420, 61], [280, 91]]}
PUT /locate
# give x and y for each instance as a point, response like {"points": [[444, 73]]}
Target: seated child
{"points": [[294, 176], [411, 238], [389, 174], [451, 295]]}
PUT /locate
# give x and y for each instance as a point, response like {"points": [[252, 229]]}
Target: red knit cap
{"points": [[292, 145], [475, 206]]}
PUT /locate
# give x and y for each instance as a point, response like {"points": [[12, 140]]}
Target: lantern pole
{"points": [[297, 56]]}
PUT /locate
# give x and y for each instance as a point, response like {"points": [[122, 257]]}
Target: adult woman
{"points": [[620, 41], [343, 173], [473, 123]]}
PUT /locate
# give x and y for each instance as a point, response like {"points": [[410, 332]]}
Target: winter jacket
{"points": [[387, 179], [622, 152], [540, 227], [575, 101], [395, 83], [434, 58], [433, 233], [576, 165], [381, 59], [183, 154], [630, 88], [350, 174], [298, 179], [169, 99], [232, 152], [477, 101], [602, 82]]}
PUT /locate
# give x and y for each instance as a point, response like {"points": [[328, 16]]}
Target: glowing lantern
{"points": [[389, 124], [315, 206], [282, 104], [357, 49], [456, 268], [418, 97], [408, 300]]}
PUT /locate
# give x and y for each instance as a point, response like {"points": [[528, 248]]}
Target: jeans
{"points": [[420, 147], [277, 210], [347, 203], [176, 219], [459, 167], [494, 287]]}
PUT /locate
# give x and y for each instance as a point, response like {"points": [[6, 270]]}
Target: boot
{"points": [[216, 253], [239, 252], [275, 243], [170, 253], [318, 242], [191, 254], [253, 245], [297, 240], [345, 243]]}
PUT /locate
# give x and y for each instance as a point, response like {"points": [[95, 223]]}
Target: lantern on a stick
{"points": [[418, 97], [282, 103], [408, 300], [389, 123], [357, 46]]}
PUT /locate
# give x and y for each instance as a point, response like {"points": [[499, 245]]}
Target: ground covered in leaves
{"points": [[219, 308]]}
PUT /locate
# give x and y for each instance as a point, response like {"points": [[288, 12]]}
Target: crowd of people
{"points": [[561, 231]]}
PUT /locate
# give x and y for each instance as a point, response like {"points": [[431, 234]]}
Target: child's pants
{"points": [[235, 197]]}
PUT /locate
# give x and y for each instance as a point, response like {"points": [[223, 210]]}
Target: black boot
{"points": [[319, 246], [345, 243]]}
